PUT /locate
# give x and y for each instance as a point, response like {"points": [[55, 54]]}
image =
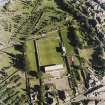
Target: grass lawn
{"points": [[48, 3], [4, 58], [67, 44], [48, 52], [78, 34], [30, 56], [52, 33]]}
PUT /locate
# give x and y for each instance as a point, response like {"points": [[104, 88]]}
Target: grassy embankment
{"points": [[30, 56]]}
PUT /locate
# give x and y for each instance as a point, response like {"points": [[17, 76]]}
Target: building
{"points": [[55, 70]]}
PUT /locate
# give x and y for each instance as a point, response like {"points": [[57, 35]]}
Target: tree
{"points": [[98, 62]]}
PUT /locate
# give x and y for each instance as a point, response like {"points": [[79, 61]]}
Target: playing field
{"points": [[49, 53]]}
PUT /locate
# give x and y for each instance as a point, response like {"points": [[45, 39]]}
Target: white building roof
{"points": [[54, 67], [64, 49]]}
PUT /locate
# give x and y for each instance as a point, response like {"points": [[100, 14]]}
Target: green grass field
{"points": [[48, 52], [30, 56]]}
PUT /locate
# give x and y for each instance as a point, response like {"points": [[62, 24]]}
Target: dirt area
{"points": [[60, 84], [86, 53]]}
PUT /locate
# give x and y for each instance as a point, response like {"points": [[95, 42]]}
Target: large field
{"points": [[49, 53]]}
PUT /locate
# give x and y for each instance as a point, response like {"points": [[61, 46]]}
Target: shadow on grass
{"points": [[17, 60], [74, 40], [60, 4], [58, 49], [33, 73], [19, 47]]}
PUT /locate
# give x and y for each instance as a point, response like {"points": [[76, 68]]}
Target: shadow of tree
{"points": [[58, 49], [62, 95], [17, 60], [86, 81], [60, 4], [19, 47], [33, 73], [74, 41]]}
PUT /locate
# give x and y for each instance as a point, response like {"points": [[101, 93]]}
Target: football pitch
{"points": [[48, 51]]}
